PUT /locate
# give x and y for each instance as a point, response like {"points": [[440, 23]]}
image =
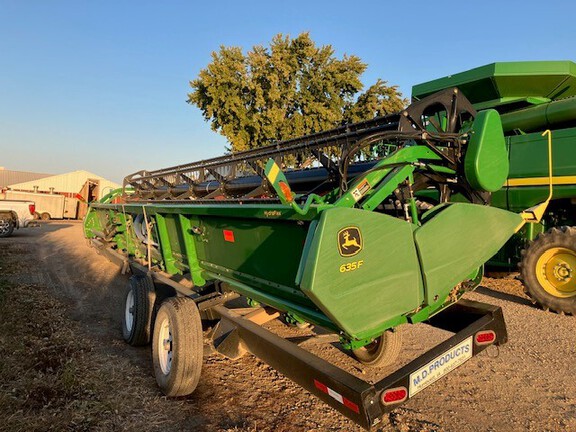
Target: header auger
{"points": [[349, 229]]}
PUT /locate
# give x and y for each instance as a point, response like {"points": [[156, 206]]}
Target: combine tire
{"points": [[6, 226], [177, 347], [548, 270], [383, 351], [138, 311]]}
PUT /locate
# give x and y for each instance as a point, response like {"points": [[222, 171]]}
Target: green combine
{"points": [[532, 97], [353, 230]]}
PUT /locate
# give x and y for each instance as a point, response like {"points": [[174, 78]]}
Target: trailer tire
{"points": [[383, 351], [548, 270], [177, 347], [6, 225], [138, 311], [45, 216]]}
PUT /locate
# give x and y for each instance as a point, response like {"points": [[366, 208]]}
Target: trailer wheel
{"points": [[45, 216], [548, 270], [383, 351], [6, 226], [138, 311], [177, 347]]}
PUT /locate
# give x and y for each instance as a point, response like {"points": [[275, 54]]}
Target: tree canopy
{"points": [[289, 89]]}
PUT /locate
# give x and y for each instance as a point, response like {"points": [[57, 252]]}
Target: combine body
{"points": [[327, 229], [532, 97]]}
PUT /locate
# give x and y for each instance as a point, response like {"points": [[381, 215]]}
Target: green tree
{"points": [[290, 89]]}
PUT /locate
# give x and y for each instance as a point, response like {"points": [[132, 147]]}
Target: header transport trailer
{"points": [[327, 230], [532, 97]]}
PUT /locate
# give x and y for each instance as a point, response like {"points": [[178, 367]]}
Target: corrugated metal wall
{"points": [[69, 183]]}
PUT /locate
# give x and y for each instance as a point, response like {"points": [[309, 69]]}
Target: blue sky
{"points": [[102, 85]]}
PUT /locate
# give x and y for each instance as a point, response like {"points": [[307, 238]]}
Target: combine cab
{"points": [[334, 230]]}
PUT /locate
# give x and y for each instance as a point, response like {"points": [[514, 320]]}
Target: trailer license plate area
{"points": [[440, 366]]}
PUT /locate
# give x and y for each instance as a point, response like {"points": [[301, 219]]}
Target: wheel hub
{"points": [[165, 353], [562, 272], [555, 271], [129, 311], [4, 226]]}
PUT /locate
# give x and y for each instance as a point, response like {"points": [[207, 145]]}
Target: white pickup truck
{"points": [[15, 214]]}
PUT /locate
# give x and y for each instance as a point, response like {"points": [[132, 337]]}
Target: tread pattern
{"points": [[187, 347], [144, 299], [387, 353]]}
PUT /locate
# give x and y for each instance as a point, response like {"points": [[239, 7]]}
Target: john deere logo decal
{"points": [[349, 241]]}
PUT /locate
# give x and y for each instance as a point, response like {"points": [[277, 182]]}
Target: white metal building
{"points": [[70, 183]]}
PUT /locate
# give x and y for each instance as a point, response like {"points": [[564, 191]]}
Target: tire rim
{"points": [[165, 346], [555, 271], [129, 311], [4, 226]]}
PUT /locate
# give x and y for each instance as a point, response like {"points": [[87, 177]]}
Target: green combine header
{"points": [[353, 230]]}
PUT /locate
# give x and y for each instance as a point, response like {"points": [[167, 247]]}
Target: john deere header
{"points": [[328, 227]]}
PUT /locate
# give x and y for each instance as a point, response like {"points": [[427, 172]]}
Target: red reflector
{"points": [[321, 386], [394, 395], [349, 404], [32, 208], [228, 235], [286, 191], [485, 337], [337, 396]]}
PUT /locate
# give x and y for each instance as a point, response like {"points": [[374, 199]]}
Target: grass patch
{"points": [[54, 376]]}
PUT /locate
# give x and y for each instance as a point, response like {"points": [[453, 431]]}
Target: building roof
{"points": [[9, 177]]}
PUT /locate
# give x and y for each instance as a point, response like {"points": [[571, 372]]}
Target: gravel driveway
{"points": [[528, 384]]}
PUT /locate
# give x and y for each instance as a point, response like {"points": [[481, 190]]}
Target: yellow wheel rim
{"points": [[556, 272]]}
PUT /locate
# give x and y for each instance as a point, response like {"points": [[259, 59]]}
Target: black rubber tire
{"points": [[563, 237], [185, 345], [138, 332], [7, 224], [382, 352], [45, 216]]}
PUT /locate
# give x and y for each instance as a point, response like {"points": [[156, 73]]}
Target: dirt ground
{"points": [[64, 365]]}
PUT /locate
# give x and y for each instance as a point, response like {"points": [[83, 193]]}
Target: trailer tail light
{"points": [[32, 208], [394, 395], [485, 337]]}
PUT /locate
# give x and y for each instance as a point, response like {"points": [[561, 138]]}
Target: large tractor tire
{"points": [[138, 311], [6, 225], [548, 270], [177, 347], [383, 351]]}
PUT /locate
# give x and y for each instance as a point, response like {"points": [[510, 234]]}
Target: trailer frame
{"points": [[477, 324]]}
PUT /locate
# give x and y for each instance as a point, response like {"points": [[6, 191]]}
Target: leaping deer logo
{"points": [[349, 241]]}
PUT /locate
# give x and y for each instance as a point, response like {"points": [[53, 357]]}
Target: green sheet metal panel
{"points": [[253, 250], [360, 289], [456, 239], [550, 79], [521, 198], [486, 160], [529, 154]]}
